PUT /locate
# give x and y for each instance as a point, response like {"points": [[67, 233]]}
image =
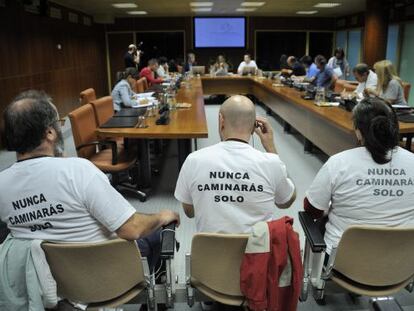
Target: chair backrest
{"points": [[339, 86], [134, 86], [104, 109], [350, 87], [216, 261], [407, 88], [94, 272], [86, 96], [376, 256], [140, 85], [84, 124], [145, 82]]}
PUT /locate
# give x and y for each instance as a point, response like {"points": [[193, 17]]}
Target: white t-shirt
{"points": [[161, 72], [61, 200], [358, 191], [232, 186], [243, 64], [371, 83]]}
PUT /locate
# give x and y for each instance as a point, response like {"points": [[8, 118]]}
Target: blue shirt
{"points": [[122, 95], [324, 77], [312, 71]]}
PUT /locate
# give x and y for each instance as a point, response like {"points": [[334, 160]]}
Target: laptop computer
{"points": [[117, 122], [198, 70], [131, 112]]}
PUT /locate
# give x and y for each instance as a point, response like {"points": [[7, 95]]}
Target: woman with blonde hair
{"points": [[389, 86]]}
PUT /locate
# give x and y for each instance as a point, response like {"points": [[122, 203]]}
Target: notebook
{"points": [[117, 122], [130, 112]]}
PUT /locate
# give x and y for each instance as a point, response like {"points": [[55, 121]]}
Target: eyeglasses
{"points": [[62, 122]]}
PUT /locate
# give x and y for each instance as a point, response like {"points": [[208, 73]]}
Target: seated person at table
{"points": [[297, 68], [325, 77], [389, 86], [191, 61], [122, 93], [311, 68], [148, 73], [368, 185], [220, 67], [283, 62], [247, 62], [230, 186], [367, 79], [48, 197], [163, 70]]}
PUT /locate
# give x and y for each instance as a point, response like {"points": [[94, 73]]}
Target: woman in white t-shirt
{"points": [[369, 185]]}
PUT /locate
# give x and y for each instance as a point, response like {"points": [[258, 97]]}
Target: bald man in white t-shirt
{"points": [[230, 186]]}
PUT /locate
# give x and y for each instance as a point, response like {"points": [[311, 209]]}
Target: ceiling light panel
{"points": [[253, 4], [124, 5], [201, 4], [245, 9], [327, 5], [137, 12], [306, 12], [201, 9]]}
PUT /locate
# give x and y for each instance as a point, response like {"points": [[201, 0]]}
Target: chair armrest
{"points": [[312, 232], [168, 241], [4, 231], [111, 143]]}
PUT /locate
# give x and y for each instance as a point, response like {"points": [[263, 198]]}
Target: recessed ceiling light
{"points": [[327, 5], [137, 12], [124, 5], [306, 12], [201, 9], [246, 9], [201, 4], [252, 3]]}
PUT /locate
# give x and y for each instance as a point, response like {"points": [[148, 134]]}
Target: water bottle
{"points": [[320, 95]]}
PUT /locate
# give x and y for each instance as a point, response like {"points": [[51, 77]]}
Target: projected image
{"points": [[219, 32]]}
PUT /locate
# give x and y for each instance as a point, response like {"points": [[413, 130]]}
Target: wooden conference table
{"points": [[184, 125], [328, 128]]}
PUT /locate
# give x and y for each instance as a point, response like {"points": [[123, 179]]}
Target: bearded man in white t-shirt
{"points": [[230, 186], [47, 197]]}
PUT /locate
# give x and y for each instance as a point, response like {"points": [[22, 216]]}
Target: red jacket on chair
{"points": [[271, 271]]}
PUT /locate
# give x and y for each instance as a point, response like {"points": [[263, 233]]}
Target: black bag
{"points": [[406, 116]]}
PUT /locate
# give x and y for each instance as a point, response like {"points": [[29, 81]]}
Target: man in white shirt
{"points": [[367, 79], [47, 197], [230, 186], [247, 62], [162, 70]]}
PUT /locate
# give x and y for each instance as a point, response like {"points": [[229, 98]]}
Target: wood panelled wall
{"points": [[235, 55], [30, 59]]}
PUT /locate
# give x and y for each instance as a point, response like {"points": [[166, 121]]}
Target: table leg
{"points": [[409, 138], [268, 111], [286, 127], [144, 163], [184, 149], [308, 146]]}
